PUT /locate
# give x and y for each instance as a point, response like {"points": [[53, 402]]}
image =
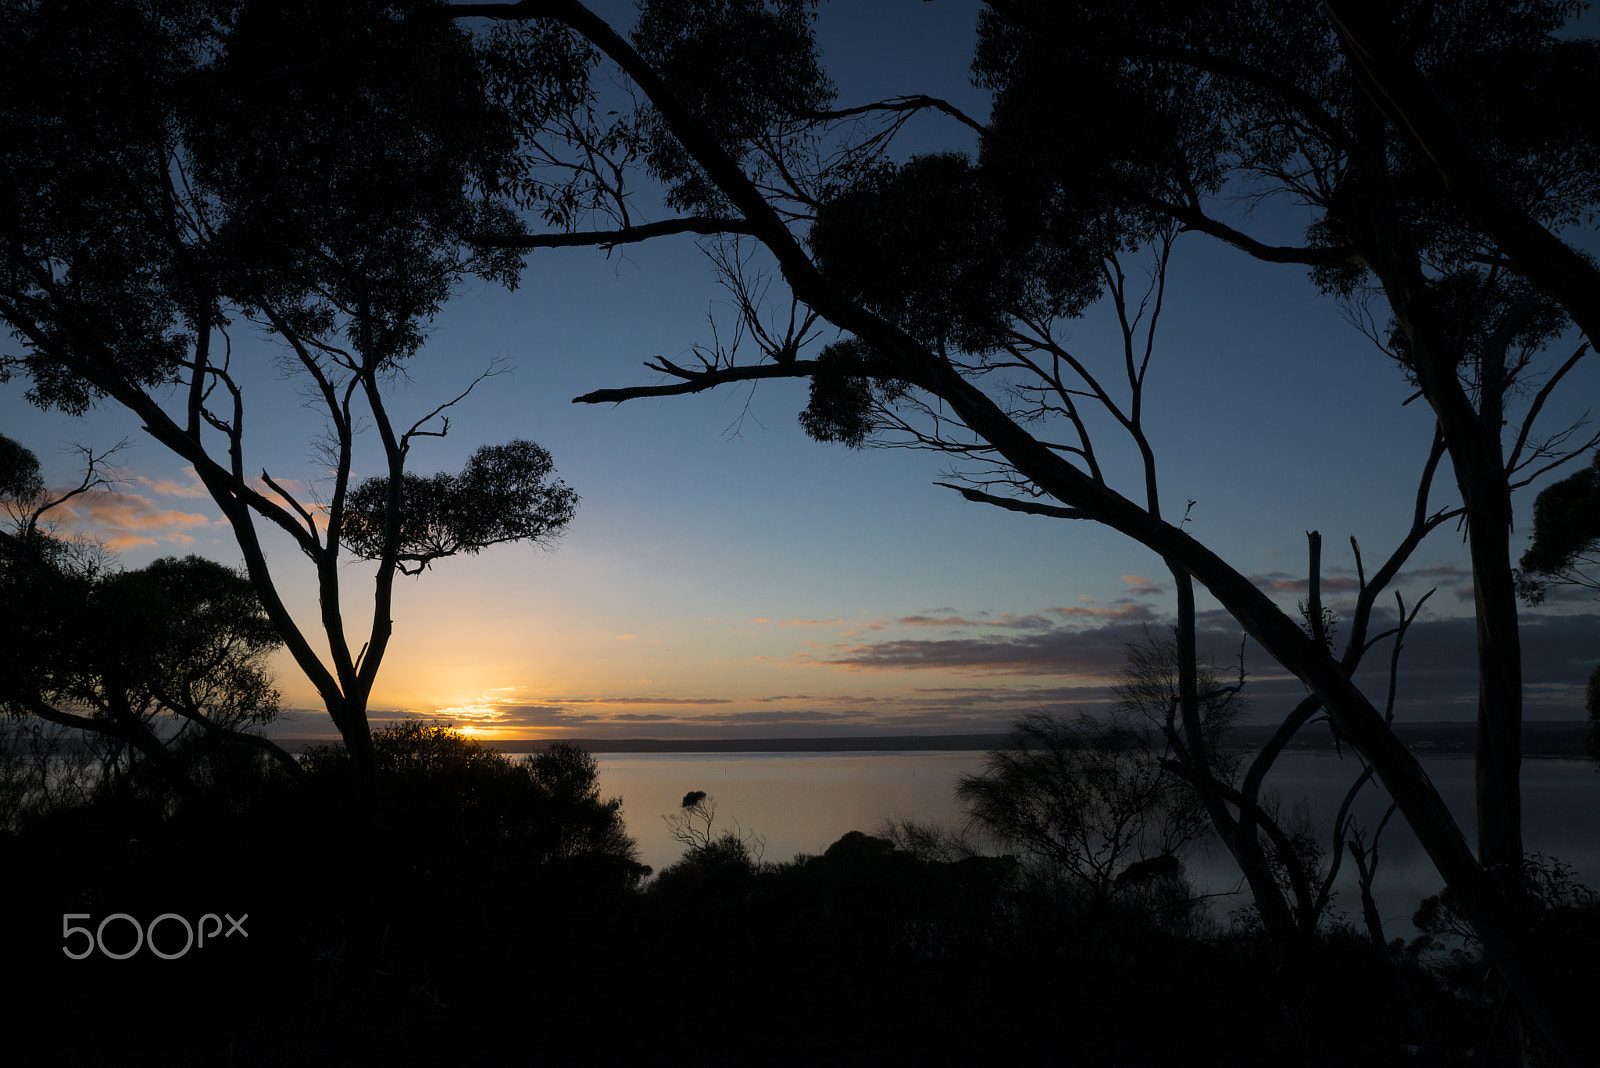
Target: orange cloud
{"points": [[1138, 585], [166, 487], [1118, 611], [126, 519], [1279, 582]]}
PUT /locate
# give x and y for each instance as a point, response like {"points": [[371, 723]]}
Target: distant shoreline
{"points": [[1540, 738]]}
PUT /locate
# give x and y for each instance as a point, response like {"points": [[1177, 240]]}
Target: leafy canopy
{"points": [[503, 495]]}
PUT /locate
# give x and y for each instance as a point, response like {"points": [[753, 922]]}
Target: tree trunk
{"points": [[1499, 752], [358, 747]]}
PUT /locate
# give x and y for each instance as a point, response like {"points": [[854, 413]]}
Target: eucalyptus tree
{"points": [[1113, 124], [1564, 551], [1198, 105], [183, 186], [145, 659]]}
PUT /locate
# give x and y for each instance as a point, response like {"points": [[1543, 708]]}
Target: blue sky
{"points": [[726, 576]]}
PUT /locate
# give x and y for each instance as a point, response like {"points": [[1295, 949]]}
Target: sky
{"points": [[725, 576]]}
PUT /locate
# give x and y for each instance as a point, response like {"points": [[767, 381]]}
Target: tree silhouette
{"points": [[456, 796], [693, 826], [312, 172], [1289, 112], [500, 497], [147, 658], [1184, 101], [1566, 535], [1085, 796]]}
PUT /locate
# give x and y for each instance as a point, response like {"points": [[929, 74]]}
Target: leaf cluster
{"points": [[86, 124], [1154, 109], [1566, 534], [749, 73], [353, 147], [949, 251], [454, 793], [847, 393], [183, 637], [504, 494], [166, 166], [1086, 796]]}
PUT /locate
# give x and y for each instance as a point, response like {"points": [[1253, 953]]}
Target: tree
{"points": [[500, 497], [310, 172], [693, 826], [1566, 535], [1292, 119], [458, 800], [1186, 101], [146, 658], [1087, 797]]}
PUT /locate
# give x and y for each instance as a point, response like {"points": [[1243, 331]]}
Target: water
{"points": [[798, 802], [803, 802]]}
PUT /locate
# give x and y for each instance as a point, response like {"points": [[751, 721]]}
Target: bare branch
{"points": [[608, 239], [917, 102], [697, 381], [1014, 505]]}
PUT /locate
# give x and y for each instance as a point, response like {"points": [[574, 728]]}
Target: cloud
{"points": [[126, 519], [782, 716], [1032, 621], [1437, 571], [643, 700], [1282, 582], [191, 486], [821, 699], [1060, 651], [1120, 610], [1139, 586]]}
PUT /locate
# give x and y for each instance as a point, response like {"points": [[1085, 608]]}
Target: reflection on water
{"points": [[803, 802]]}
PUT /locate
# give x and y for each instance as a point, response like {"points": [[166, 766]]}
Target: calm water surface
{"points": [[803, 802]]}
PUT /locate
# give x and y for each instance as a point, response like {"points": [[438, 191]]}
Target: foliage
{"points": [[1566, 535], [751, 106], [19, 472], [1561, 918], [949, 251], [1189, 99], [846, 398], [1087, 797], [149, 657], [705, 848], [454, 795], [320, 172], [501, 496], [1152, 119], [1564, 551]]}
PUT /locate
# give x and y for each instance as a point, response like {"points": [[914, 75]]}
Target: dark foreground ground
{"points": [[484, 917]]}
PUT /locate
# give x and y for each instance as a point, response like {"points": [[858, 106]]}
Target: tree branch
{"points": [[1012, 504], [609, 239], [698, 381]]}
